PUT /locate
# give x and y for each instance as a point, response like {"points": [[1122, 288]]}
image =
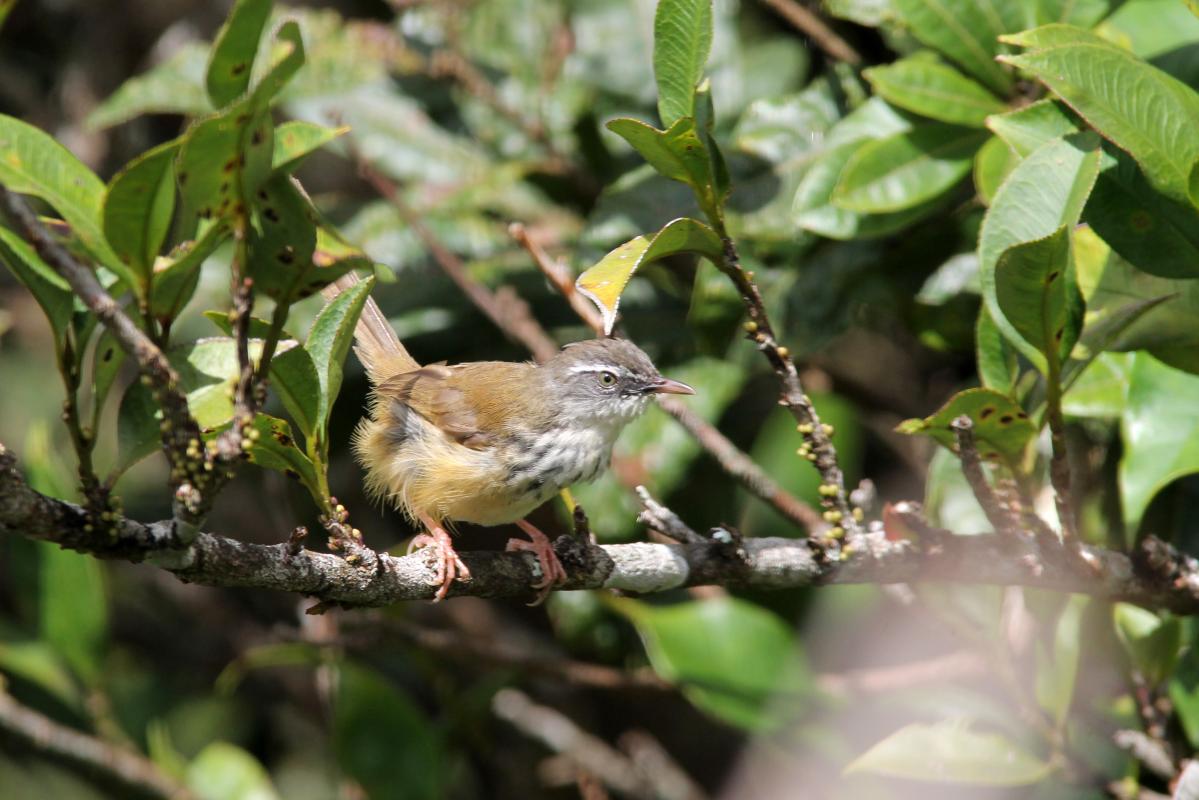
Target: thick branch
{"points": [[132, 771], [1157, 578]]}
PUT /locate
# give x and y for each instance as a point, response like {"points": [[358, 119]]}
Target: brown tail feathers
{"points": [[377, 346]]}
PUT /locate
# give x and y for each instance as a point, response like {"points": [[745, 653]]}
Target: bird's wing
{"points": [[471, 403]]}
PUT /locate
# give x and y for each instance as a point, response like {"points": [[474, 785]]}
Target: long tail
{"points": [[377, 346]]}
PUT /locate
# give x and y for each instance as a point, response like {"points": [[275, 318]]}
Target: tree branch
{"points": [[116, 765], [1156, 577], [810, 24]]}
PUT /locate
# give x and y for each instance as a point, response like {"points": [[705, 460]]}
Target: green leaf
{"points": [[701, 646], [295, 140], [1044, 192], [906, 170], [814, 211], [682, 39], [1100, 389], [1030, 127], [369, 717], [106, 365], [43, 666], [1155, 233], [604, 282], [272, 447], [966, 31], [294, 378], [1131, 310], [1001, 426], [138, 208], [1143, 110], [73, 608], [329, 343], [33, 163], [48, 288], [224, 771], [1083, 13], [1153, 642], [997, 365], [176, 86], [283, 259], [225, 158], [934, 90], [993, 162], [951, 752], [1184, 693], [1160, 433], [233, 51], [677, 153], [1038, 295], [176, 276], [1057, 664]]}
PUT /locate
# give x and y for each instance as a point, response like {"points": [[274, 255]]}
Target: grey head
{"points": [[606, 381]]}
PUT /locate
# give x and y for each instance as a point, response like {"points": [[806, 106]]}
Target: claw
{"points": [[552, 571], [449, 566]]}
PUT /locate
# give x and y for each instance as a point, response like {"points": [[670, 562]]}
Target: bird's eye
{"points": [[607, 379]]}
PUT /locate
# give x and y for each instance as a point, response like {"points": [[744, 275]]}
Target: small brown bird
{"points": [[489, 441]]}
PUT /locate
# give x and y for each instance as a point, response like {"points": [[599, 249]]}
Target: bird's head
{"points": [[607, 381]]}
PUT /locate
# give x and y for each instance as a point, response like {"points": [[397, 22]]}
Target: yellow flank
{"points": [[433, 474]]}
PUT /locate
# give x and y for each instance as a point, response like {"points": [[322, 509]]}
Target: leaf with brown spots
{"points": [[1038, 294], [1001, 427], [232, 58]]}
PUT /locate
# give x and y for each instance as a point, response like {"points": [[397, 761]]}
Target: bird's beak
{"points": [[667, 386]]}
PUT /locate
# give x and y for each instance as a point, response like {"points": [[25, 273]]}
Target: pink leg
{"points": [[449, 565], [552, 571]]}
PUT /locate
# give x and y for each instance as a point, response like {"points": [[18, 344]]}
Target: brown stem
{"points": [[123, 767], [505, 309], [810, 24], [963, 431]]}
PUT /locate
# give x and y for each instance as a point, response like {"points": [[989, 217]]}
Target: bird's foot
{"points": [[449, 566], [552, 571]]}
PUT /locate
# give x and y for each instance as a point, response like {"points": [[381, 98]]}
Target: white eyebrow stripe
{"points": [[593, 368]]}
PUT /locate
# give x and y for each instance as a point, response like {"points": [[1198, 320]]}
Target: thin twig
{"points": [[116, 765], [509, 313], [997, 515], [662, 519], [731, 458], [366, 633], [810, 24], [561, 735], [818, 447]]}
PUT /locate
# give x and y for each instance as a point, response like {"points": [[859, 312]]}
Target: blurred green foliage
{"points": [[996, 216]]}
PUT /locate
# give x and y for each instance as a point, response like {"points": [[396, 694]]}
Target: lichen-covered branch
{"points": [[1155, 577]]}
